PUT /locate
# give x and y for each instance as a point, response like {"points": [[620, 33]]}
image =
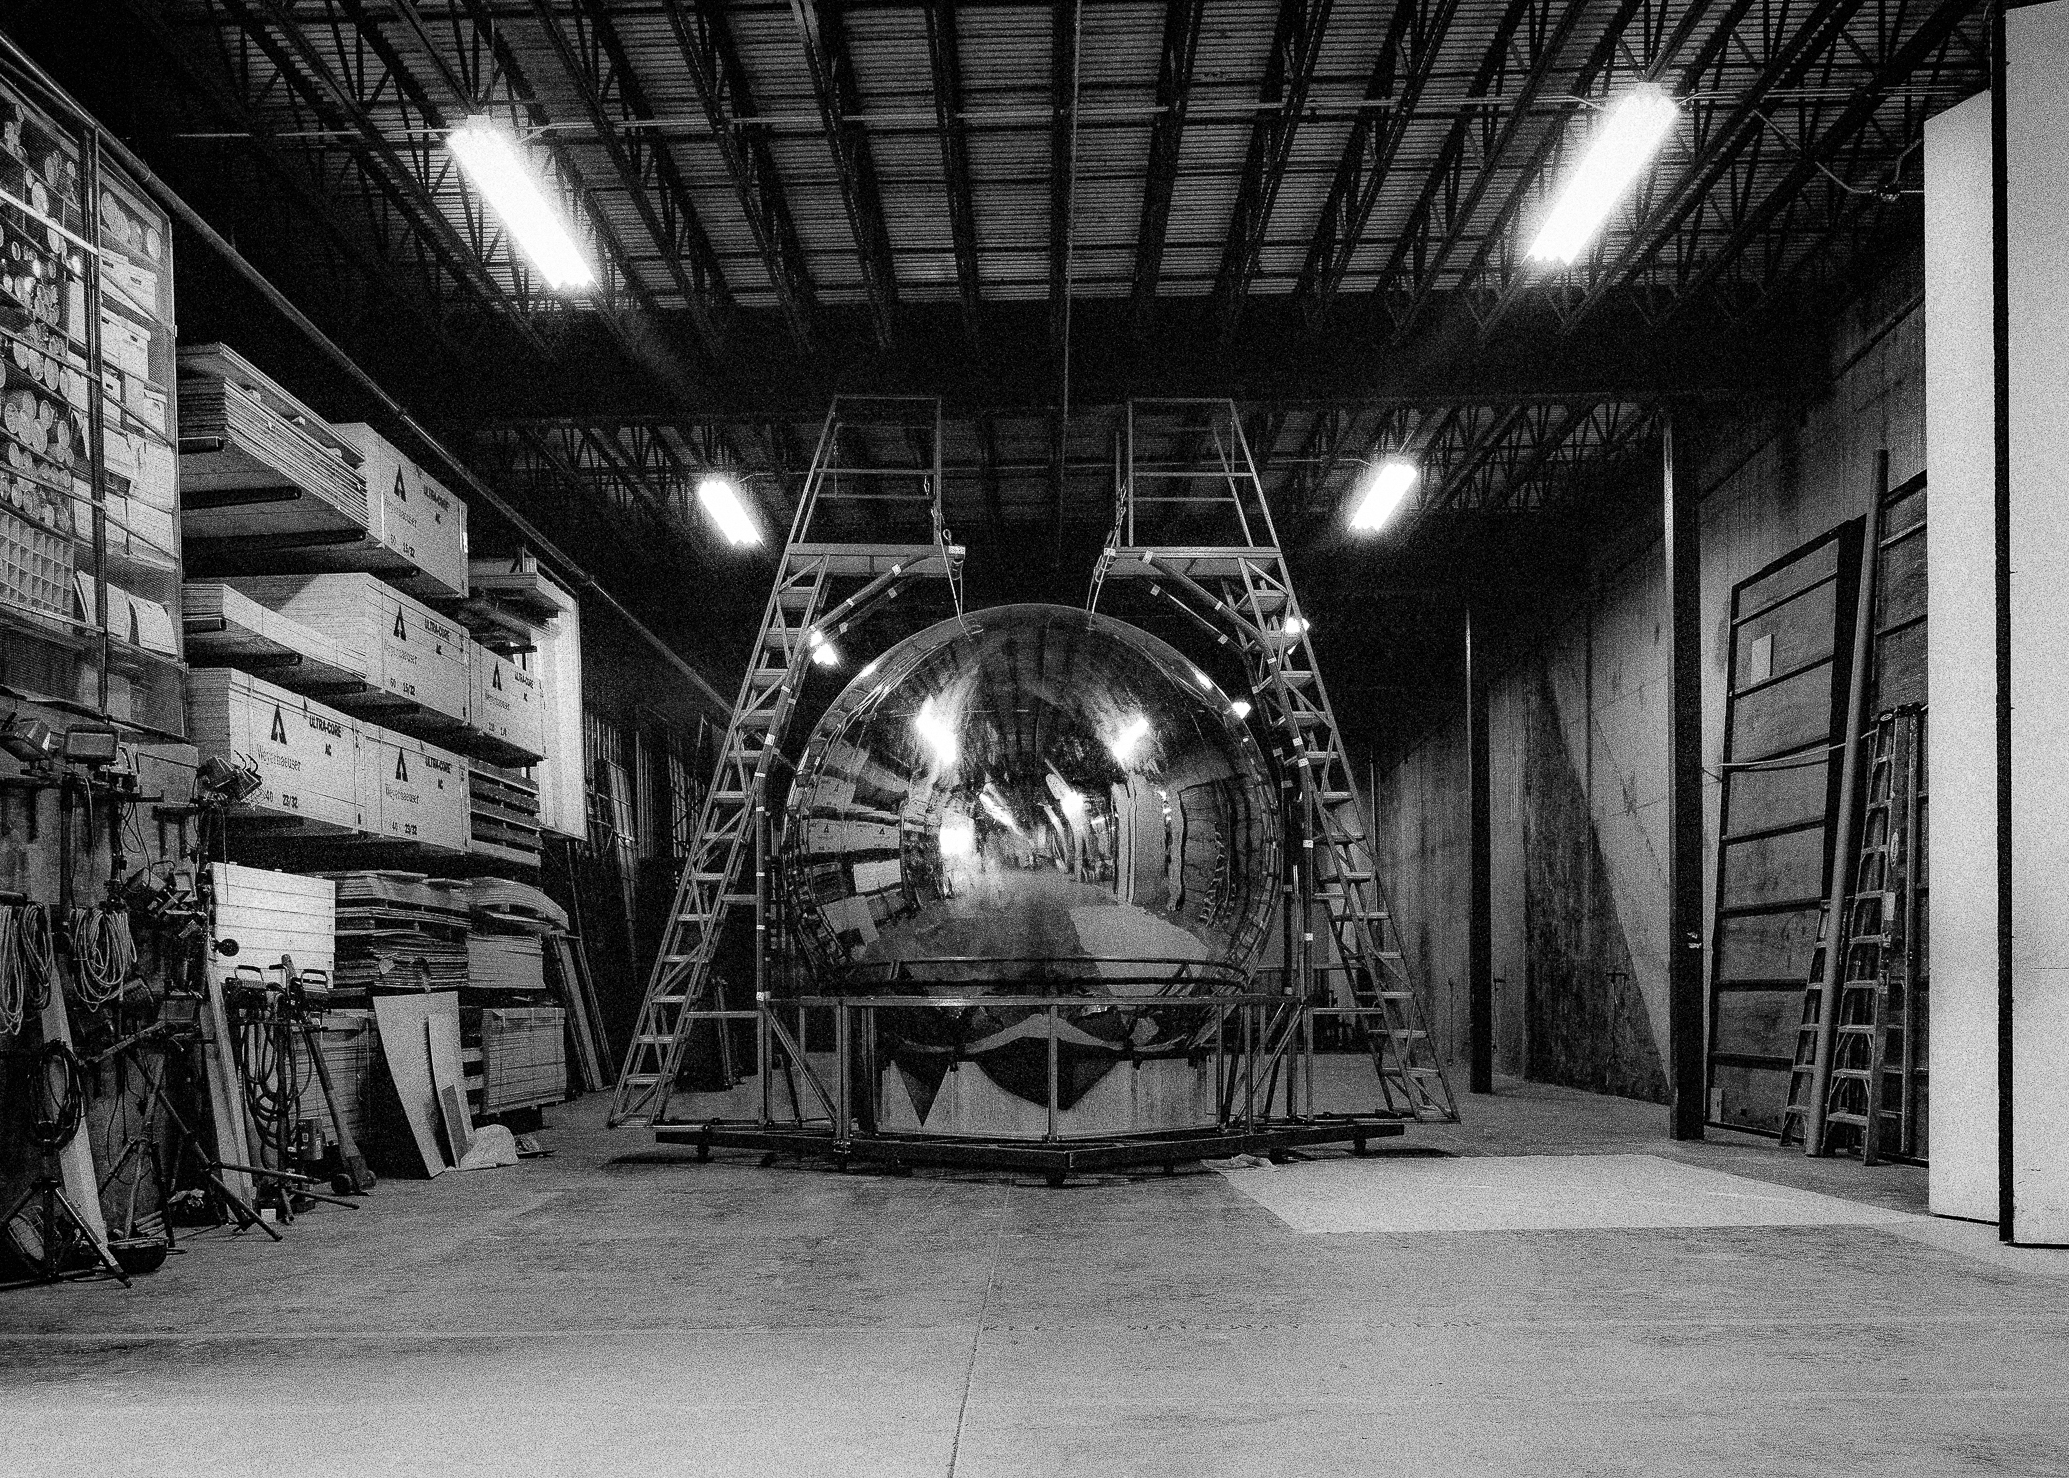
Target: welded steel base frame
{"points": [[1056, 1160]]}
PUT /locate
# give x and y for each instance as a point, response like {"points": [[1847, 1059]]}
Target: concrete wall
{"points": [[1579, 729]]}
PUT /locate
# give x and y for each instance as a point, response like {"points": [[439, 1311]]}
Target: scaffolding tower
{"points": [[825, 583], [1192, 527]]}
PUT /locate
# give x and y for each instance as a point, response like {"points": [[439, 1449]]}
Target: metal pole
{"points": [[1480, 867], [1052, 1074], [1685, 793], [842, 1085]]}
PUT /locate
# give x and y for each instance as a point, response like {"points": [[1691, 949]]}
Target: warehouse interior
{"points": [[1033, 736]]}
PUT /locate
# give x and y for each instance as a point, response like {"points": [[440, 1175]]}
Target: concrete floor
{"points": [[614, 1310]]}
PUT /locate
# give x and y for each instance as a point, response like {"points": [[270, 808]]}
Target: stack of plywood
{"points": [[506, 962], [412, 515], [508, 711], [400, 931], [306, 756], [413, 791], [227, 628], [257, 463], [523, 1057], [416, 660], [503, 815]]}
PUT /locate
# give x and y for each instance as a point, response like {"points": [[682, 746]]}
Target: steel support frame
{"points": [[1236, 581], [711, 56], [822, 32], [803, 610], [1282, 96]]}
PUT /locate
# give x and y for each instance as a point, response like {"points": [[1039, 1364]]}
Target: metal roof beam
{"points": [[712, 57], [1717, 146], [594, 60], [1496, 247], [1932, 34], [823, 33], [1407, 59], [1174, 89], [944, 55], [1440, 187], [1063, 103], [1445, 228], [1290, 67]]}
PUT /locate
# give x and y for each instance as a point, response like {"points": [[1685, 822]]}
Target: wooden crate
{"points": [[268, 914], [523, 1057], [412, 514], [306, 755], [508, 710], [416, 660], [413, 791]]}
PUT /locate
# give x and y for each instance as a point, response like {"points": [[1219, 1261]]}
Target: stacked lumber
{"points": [[503, 815], [241, 434], [499, 901], [506, 962], [400, 931]]}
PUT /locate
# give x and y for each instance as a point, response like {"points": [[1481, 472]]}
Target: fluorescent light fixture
{"points": [[1382, 488], [1630, 133], [1240, 709], [495, 165], [958, 835], [940, 737], [724, 506], [1132, 734]]}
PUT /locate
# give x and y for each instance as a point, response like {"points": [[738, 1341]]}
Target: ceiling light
{"points": [[495, 165], [723, 505], [1382, 487], [1630, 133], [1132, 733], [1240, 708]]}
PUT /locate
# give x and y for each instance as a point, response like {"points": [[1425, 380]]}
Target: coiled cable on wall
{"points": [[60, 1096], [103, 953], [28, 962]]}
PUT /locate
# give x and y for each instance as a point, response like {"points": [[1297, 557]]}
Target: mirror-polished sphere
{"points": [[1033, 799]]}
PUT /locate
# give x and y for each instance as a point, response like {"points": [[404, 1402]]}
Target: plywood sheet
{"points": [[404, 1025]]}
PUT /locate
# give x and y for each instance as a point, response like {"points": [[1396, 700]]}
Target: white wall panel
{"points": [[2037, 177], [1961, 646]]}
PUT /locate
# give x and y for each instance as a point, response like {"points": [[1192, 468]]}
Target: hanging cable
{"points": [[103, 953], [60, 1096]]}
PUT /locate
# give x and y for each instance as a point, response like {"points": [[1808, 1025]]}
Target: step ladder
{"points": [[1186, 472], [713, 906], [1867, 1051]]}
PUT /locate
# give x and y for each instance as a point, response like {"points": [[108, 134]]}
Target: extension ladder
{"points": [[1867, 1050]]}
